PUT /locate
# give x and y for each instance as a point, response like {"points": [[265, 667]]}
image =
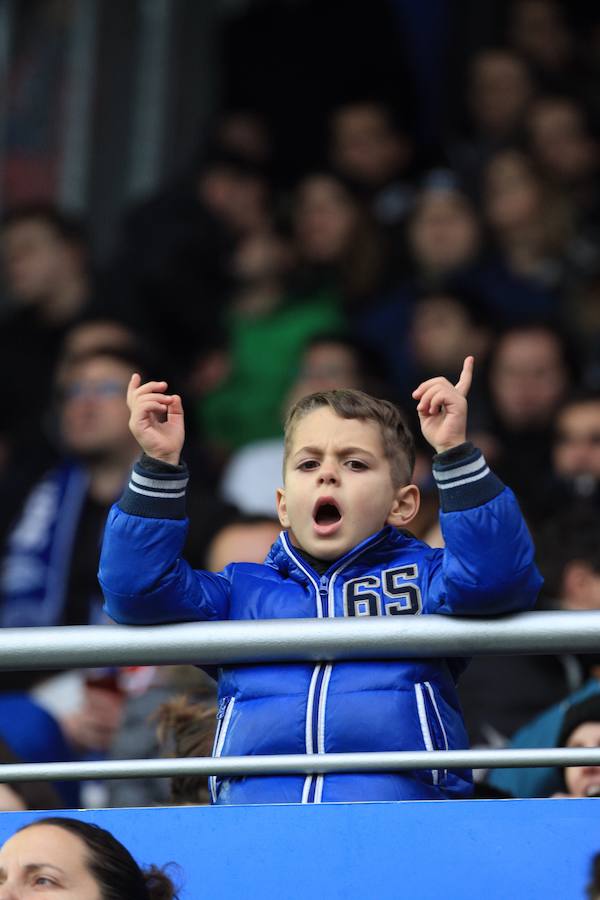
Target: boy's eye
{"points": [[357, 465], [308, 464]]}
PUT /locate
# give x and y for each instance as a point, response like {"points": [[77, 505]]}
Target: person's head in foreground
{"points": [[75, 860], [593, 888], [581, 728], [347, 472]]}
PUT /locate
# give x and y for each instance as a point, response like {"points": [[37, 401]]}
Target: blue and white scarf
{"points": [[34, 574]]}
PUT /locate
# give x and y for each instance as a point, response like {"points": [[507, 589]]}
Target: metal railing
{"points": [[300, 640]]}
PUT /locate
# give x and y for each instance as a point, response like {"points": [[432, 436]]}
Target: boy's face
{"points": [[338, 485]]}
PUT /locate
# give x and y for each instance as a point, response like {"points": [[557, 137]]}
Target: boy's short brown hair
{"points": [[398, 442]]}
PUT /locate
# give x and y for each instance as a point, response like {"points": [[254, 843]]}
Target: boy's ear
{"points": [[282, 508], [405, 506]]}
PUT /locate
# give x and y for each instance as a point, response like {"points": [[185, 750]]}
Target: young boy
{"points": [[347, 496]]}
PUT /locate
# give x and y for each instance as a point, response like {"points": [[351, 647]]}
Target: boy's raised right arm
{"points": [[142, 574], [156, 419]]}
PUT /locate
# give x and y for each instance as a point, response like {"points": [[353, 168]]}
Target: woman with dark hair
{"points": [[338, 244], [77, 861]]}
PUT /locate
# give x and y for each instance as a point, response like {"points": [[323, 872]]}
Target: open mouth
{"points": [[326, 515], [593, 790]]}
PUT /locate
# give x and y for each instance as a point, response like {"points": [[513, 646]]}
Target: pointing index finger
{"points": [[134, 382], [466, 376]]}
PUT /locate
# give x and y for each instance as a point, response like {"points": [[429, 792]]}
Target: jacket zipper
{"points": [[317, 696], [326, 589], [310, 727], [316, 788], [224, 712]]}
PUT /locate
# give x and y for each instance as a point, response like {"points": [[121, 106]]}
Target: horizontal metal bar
{"points": [[302, 764], [294, 640]]}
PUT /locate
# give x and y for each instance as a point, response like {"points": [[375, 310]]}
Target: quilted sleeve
{"points": [[487, 566], [142, 574]]}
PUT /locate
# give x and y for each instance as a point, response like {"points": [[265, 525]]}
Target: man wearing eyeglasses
{"points": [[49, 559]]}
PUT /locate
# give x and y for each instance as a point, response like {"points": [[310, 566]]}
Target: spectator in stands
{"points": [[187, 728], [532, 367], [569, 554], [137, 738], [529, 376], [269, 323], [338, 244], [501, 695], [338, 458], [93, 333], [369, 146], [45, 263], [67, 507], [173, 271], [448, 253], [444, 233], [50, 556], [79, 860], [581, 728], [585, 324], [540, 31], [534, 228], [245, 133], [247, 537], [576, 448], [445, 324], [444, 242], [34, 735], [561, 142], [21, 795], [569, 558], [235, 191], [498, 91]]}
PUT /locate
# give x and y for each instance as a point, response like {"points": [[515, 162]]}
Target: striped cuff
{"points": [[156, 494], [464, 479]]}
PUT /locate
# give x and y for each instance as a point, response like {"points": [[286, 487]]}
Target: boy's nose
{"points": [[328, 474]]}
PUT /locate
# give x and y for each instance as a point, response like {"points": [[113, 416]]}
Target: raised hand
{"points": [[442, 408], [156, 419]]}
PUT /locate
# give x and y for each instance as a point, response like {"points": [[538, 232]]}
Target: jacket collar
{"points": [[284, 557]]}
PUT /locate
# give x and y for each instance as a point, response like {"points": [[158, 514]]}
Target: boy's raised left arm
{"points": [[487, 566], [442, 409]]}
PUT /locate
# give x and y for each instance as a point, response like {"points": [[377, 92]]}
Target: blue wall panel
{"points": [[466, 850]]}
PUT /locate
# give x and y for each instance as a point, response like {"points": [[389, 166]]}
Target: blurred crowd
{"points": [[246, 286]]}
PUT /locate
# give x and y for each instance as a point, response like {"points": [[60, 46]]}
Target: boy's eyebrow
{"points": [[347, 451], [341, 451], [312, 451]]}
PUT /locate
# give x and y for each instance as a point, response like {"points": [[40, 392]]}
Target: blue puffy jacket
{"points": [[407, 704]]}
